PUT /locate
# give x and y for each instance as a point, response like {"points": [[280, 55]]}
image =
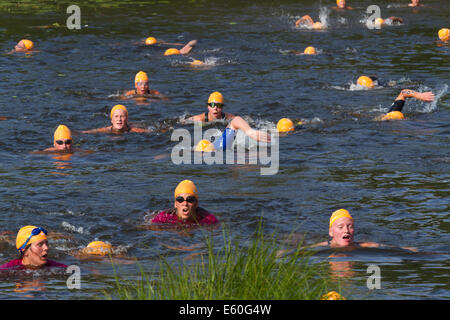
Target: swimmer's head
{"points": [[98, 248], [332, 295], [141, 82], [444, 34], [285, 125], [310, 50], [186, 200], [171, 51], [318, 25], [119, 117], [24, 45], [215, 97], [28, 235], [204, 146], [379, 22], [62, 138], [197, 63], [365, 81], [340, 3], [341, 228], [150, 40], [393, 115]]}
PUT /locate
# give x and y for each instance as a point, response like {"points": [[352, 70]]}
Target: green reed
{"points": [[252, 271]]}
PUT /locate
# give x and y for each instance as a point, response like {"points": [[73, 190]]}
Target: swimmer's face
{"points": [[119, 119], [215, 110], [188, 207], [342, 232], [341, 4], [36, 254], [20, 47], [63, 144], [141, 87]]}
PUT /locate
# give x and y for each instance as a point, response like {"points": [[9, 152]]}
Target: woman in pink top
{"points": [[186, 209], [32, 244]]}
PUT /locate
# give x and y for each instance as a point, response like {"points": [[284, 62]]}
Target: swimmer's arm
{"points": [[378, 245], [99, 130], [187, 48], [423, 96], [305, 19], [240, 124], [140, 130], [198, 117]]}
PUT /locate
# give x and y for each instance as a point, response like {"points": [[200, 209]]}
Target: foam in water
{"points": [[70, 227]]}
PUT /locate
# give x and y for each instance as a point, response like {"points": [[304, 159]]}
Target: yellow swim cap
{"points": [[196, 62], [310, 50], [215, 97], [118, 107], [28, 44], [365, 82], [332, 295], [379, 21], [62, 133], [140, 76], [186, 186], [171, 51], [25, 232], [204, 146], [317, 25], [444, 34], [285, 125], [393, 115], [150, 41], [341, 213], [98, 248]]}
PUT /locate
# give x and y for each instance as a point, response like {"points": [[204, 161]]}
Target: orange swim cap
{"points": [[171, 51], [215, 97], [186, 186], [196, 62], [365, 82], [332, 295], [28, 44], [118, 107], [444, 34], [393, 115], [98, 248], [341, 213], [140, 76], [150, 41], [24, 233], [204, 146], [310, 50], [62, 133], [285, 125], [379, 21]]}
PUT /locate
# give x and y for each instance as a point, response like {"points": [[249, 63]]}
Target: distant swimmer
{"points": [[186, 210], [216, 102], [142, 89], [23, 45], [32, 244], [185, 50], [308, 22], [415, 3], [342, 232], [444, 34], [150, 41], [3, 118], [395, 111], [341, 5], [380, 22], [62, 142], [119, 123]]}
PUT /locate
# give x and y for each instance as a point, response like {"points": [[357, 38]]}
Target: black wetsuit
{"points": [[397, 105]]}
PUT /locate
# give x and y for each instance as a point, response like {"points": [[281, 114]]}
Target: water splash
{"points": [[68, 226]]}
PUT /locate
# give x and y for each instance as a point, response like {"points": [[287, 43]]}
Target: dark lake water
{"points": [[393, 177]]}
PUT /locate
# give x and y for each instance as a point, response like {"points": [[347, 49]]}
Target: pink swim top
{"points": [[170, 216], [16, 264]]}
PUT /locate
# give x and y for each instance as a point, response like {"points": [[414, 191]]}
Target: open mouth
{"points": [[346, 237]]}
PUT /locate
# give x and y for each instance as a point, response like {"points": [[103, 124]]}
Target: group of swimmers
{"points": [[32, 242]]}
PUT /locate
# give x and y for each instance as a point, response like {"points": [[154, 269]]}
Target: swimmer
{"points": [[185, 50], [186, 209], [395, 111], [341, 5], [141, 84], [149, 41], [285, 125], [415, 3], [62, 142], [215, 110], [32, 244], [307, 21], [23, 45], [444, 34], [380, 22], [3, 118], [342, 232], [119, 123]]}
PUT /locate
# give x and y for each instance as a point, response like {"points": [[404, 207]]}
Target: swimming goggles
{"points": [[214, 105], [34, 232], [61, 142], [190, 199]]}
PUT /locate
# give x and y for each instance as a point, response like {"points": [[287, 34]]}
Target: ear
{"points": [[330, 233]]}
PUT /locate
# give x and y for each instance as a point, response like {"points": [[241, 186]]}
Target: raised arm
{"points": [[423, 96], [240, 124], [304, 20]]}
